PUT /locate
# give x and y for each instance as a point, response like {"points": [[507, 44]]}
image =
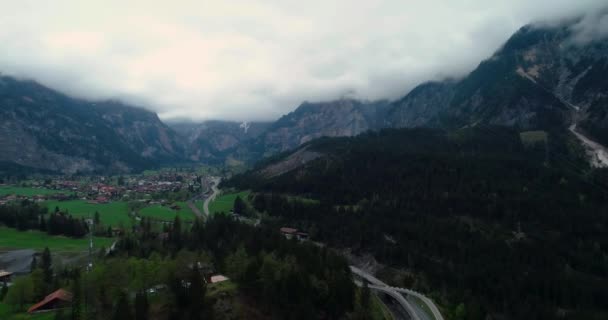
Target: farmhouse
{"points": [[291, 233], [5, 276], [56, 300]]}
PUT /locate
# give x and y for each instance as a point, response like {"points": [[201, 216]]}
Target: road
{"points": [[216, 181], [400, 294]]}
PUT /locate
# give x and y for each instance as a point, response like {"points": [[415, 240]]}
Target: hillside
{"points": [[487, 217], [43, 129], [542, 77]]}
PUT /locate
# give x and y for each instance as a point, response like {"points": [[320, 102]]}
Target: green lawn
{"points": [[7, 314], [115, 213], [23, 191], [225, 202], [14, 239], [167, 214]]}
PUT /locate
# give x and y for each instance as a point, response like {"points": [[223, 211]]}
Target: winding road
{"points": [[400, 294], [216, 181]]}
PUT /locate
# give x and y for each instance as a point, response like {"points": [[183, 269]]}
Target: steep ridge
{"points": [[44, 129]]}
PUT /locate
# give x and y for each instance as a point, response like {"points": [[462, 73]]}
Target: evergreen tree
{"points": [[76, 298], [122, 310], [141, 306], [46, 266]]}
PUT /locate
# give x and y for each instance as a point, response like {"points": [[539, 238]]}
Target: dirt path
{"points": [[598, 153]]}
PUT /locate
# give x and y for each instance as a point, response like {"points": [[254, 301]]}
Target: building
{"points": [[56, 300], [291, 233], [5, 276]]}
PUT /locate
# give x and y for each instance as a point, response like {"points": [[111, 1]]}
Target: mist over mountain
{"points": [[44, 129]]}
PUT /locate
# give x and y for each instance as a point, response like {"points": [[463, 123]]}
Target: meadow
{"points": [[26, 191], [165, 213], [7, 314], [14, 239], [224, 203], [115, 213]]}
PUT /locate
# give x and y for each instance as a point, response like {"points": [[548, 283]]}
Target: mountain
{"points": [[339, 118], [216, 141], [477, 217], [43, 129], [543, 77]]}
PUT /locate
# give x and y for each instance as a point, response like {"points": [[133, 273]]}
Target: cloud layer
{"points": [[245, 60]]}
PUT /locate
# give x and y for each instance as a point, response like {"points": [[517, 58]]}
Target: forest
{"points": [[479, 217], [164, 274]]}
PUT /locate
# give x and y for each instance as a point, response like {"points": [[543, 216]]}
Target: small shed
{"points": [[56, 300]]}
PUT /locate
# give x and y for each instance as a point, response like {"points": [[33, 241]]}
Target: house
{"points": [[56, 300], [5, 276], [289, 233], [218, 278]]}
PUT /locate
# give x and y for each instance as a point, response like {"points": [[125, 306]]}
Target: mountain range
{"points": [[542, 78]]}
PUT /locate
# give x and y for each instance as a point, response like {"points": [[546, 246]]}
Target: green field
{"points": [[167, 214], [115, 213], [14, 239], [7, 314], [225, 202], [24, 191]]}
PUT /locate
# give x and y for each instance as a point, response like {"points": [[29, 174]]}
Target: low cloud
{"points": [[244, 60]]}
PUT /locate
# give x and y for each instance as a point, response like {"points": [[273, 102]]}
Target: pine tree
{"points": [[122, 310], [47, 266], [76, 298], [141, 306]]}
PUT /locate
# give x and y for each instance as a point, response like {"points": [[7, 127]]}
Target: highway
{"points": [[416, 312]]}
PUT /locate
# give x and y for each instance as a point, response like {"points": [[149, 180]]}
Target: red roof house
{"points": [[56, 300]]}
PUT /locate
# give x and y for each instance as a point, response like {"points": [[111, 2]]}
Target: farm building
{"points": [[56, 300]]}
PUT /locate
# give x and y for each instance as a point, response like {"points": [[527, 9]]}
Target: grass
{"points": [[25, 191], [15, 239], [7, 314], [167, 214], [533, 137], [115, 213], [225, 203]]}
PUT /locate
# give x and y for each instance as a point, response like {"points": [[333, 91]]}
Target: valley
{"points": [[482, 196]]}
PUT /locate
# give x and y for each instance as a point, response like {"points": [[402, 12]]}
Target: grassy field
{"points": [[167, 214], [14, 239], [23, 191], [7, 314], [533, 137], [115, 213], [225, 202]]}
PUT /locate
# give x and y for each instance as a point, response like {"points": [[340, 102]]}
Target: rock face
{"points": [[214, 141], [309, 121], [538, 79], [43, 129]]}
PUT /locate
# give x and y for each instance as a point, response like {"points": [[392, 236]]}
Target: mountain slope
{"points": [[340, 118], [44, 129], [534, 81], [215, 141], [476, 216]]}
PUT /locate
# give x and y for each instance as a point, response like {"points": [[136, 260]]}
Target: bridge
{"points": [[400, 295]]}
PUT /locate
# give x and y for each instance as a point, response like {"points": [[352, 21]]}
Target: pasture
{"points": [[15, 239], [115, 213], [165, 213], [27, 191], [225, 202]]}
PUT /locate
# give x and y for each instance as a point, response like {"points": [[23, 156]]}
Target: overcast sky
{"points": [[255, 60]]}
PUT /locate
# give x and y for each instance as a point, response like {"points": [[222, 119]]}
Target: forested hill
{"points": [[507, 223]]}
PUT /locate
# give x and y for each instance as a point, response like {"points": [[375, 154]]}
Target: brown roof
{"points": [[4, 273], [59, 294], [288, 230]]}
